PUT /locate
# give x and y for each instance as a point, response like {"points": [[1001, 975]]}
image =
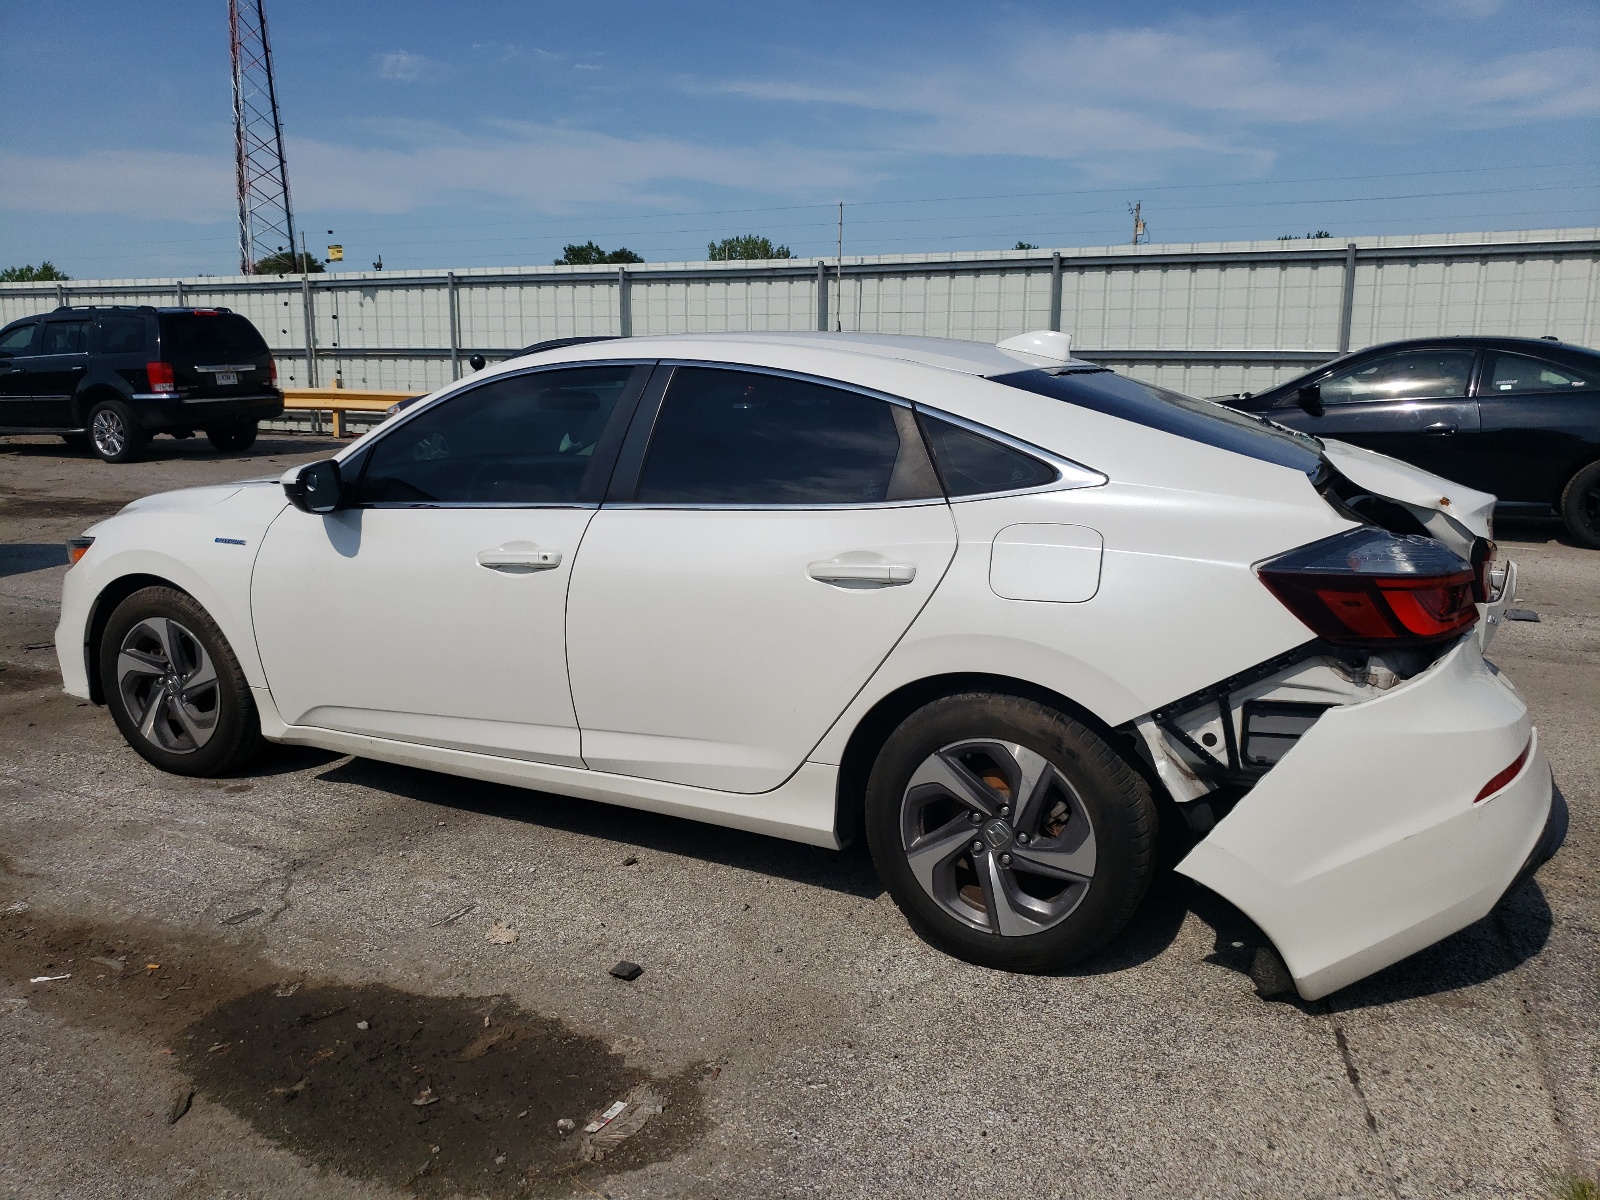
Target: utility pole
{"points": [[838, 274], [266, 217], [1138, 223]]}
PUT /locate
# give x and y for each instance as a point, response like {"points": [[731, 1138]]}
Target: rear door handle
{"points": [[886, 574], [515, 559], [1439, 429]]}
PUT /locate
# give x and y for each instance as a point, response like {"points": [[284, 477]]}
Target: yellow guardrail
{"points": [[339, 401]]}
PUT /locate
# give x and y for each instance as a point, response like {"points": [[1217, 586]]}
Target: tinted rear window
{"points": [[225, 337], [1172, 412], [122, 335]]}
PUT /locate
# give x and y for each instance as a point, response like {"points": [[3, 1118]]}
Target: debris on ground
{"points": [[15, 907], [363, 1025], [631, 861], [424, 1098], [500, 934], [49, 978], [620, 1122], [627, 970], [455, 916], [564, 1126], [242, 917], [1522, 614], [286, 989], [180, 1105]]}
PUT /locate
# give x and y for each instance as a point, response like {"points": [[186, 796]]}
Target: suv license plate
{"points": [[226, 378]]}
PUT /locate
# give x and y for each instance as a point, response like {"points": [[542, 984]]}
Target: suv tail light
{"points": [[1376, 589], [272, 371], [161, 377]]}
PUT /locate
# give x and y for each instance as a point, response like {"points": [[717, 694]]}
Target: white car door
{"points": [[773, 540], [432, 609]]}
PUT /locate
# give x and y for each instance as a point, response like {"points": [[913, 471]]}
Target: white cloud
{"points": [[402, 66], [1100, 99], [163, 185], [539, 168]]}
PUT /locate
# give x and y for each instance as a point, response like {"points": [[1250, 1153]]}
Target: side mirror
{"points": [[1310, 399], [477, 361], [315, 487]]}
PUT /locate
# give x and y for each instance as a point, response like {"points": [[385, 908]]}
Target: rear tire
{"points": [[174, 686], [1580, 506], [233, 438], [114, 433], [1009, 834]]}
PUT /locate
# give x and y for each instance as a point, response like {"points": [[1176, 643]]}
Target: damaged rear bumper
{"points": [[1365, 843]]}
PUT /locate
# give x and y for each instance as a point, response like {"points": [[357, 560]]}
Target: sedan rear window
{"points": [[743, 438], [209, 337], [1172, 412]]}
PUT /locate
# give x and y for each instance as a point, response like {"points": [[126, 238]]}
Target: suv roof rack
{"points": [[105, 307]]}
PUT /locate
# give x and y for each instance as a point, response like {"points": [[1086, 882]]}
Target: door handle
{"points": [[519, 559], [887, 574], [76, 369], [1439, 429]]}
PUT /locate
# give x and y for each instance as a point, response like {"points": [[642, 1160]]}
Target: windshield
{"points": [[210, 337], [1104, 391]]}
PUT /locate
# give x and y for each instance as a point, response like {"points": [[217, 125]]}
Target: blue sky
{"points": [[479, 134]]}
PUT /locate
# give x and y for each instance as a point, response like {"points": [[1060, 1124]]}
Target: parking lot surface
{"points": [[301, 980]]}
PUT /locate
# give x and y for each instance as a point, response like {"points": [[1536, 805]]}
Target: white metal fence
{"points": [[1204, 319]]}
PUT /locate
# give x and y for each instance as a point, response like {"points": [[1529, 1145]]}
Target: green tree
{"points": [[589, 254], [1024, 246], [1295, 237], [284, 263], [44, 272], [746, 245]]}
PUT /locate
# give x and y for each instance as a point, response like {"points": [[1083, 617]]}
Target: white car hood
{"points": [[1415, 488]]}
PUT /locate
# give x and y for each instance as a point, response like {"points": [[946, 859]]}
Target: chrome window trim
{"points": [[552, 504], [1070, 474]]}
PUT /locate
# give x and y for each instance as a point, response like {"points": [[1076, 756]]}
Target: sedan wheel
{"points": [[174, 686], [167, 679], [1025, 844], [1580, 506]]}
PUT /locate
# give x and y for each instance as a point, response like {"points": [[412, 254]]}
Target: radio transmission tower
{"points": [[266, 219]]}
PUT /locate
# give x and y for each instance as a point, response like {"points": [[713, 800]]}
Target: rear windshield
{"points": [[210, 338], [1172, 412]]}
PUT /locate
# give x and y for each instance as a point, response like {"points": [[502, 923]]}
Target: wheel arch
{"points": [[884, 717], [113, 594], [86, 399]]}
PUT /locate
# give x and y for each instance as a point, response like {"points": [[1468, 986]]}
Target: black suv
{"points": [[112, 377]]}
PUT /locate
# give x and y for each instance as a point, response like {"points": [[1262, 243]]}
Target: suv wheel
{"points": [[232, 438], [174, 686], [1009, 834], [114, 433], [1580, 506]]}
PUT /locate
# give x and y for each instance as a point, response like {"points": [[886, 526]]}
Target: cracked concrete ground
{"points": [[840, 1055]]}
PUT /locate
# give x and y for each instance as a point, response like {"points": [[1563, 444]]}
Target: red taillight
{"points": [[161, 377], [1506, 776], [1371, 588], [272, 371]]}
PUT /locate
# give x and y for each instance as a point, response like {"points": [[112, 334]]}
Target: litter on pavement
{"points": [[627, 970]]}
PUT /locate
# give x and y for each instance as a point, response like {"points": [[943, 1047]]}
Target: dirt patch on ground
{"points": [[14, 507], [438, 1094], [441, 1094], [28, 677]]}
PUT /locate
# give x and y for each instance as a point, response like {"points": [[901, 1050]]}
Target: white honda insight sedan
{"points": [[994, 606]]}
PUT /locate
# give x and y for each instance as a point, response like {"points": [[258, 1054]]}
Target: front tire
{"points": [[233, 438], [174, 686], [1009, 834], [1580, 506], [115, 433]]}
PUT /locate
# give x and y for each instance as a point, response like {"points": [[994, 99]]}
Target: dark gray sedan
{"points": [[1518, 417]]}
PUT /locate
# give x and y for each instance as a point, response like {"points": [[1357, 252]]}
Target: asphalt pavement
{"points": [[329, 977]]}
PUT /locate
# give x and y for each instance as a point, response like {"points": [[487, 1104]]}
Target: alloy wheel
{"points": [[997, 836], [169, 685], [109, 433]]}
